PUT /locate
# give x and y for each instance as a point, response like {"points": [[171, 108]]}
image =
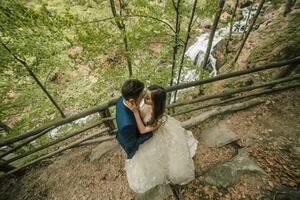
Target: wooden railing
{"points": [[104, 111]]}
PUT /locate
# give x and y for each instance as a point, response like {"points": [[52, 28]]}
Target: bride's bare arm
{"points": [[142, 128]]}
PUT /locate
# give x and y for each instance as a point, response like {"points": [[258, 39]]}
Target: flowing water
{"points": [[196, 51]]}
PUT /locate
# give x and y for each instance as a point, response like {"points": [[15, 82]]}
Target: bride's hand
{"points": [[133, 107], [157, 125]]}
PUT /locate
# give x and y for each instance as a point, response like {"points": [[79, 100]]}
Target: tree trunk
{"points": [[175, 47], [4, 127], [121, 26], [35, 78], [212, 33], [288, 7], [247, 21], [185, 45], [249, 30], [231, 26]]}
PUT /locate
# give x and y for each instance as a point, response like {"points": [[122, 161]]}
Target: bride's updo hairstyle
{"points": [[159, 96]]}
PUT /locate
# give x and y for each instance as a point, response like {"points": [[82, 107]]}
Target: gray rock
{"points": [[287, 194], [239, 15], [218, 135], [226, 174], [102, 149], [159, 192], [206, 23]]}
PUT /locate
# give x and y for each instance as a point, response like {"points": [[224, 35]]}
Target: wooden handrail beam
{"points": [[168, 89], [266, 91], [55, 152], [234, 91], [232, 74], [54, 142]]}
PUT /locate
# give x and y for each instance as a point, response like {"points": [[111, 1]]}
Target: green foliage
{"points": [[276, 2], [48, 34], [283, 45]]}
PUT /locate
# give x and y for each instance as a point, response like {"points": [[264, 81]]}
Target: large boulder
{"points": [[159, 192], [226, 174], [102, 149], [219, 135]]}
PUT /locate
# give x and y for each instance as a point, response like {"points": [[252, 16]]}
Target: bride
{"points": [[167, 156]]}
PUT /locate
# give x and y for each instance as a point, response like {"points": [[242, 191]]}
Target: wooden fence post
{"points": [[6, 168], [110, 124]]}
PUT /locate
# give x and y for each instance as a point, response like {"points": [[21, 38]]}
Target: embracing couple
{"points": [[158, 149]]}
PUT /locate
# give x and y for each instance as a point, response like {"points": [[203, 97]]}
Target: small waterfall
{"points": [[196, 52]]}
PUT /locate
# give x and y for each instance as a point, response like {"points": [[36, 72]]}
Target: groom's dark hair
{"points": [[132, 88]]}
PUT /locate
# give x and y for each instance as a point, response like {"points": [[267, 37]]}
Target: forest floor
{"points": [[269, 132]]}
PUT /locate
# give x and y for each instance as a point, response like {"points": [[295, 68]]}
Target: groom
{"points": [[128, 134]]}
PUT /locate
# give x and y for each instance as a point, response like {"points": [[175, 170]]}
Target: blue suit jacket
{"points": [[128, 134]]}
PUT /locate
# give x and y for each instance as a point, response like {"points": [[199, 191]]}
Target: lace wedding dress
{"points": [[164, 158]]}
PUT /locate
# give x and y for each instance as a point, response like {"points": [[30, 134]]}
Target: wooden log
{"points": [[53, 142], [222, 110], [96, 141], [234, 91], [55, 152], [28, 140], [60, 122], [265, 91], [168, 89], [261, 3], [232, 74], [284, 72]]}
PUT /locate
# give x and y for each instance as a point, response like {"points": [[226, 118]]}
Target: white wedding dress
{"points": [[164, 158]]}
